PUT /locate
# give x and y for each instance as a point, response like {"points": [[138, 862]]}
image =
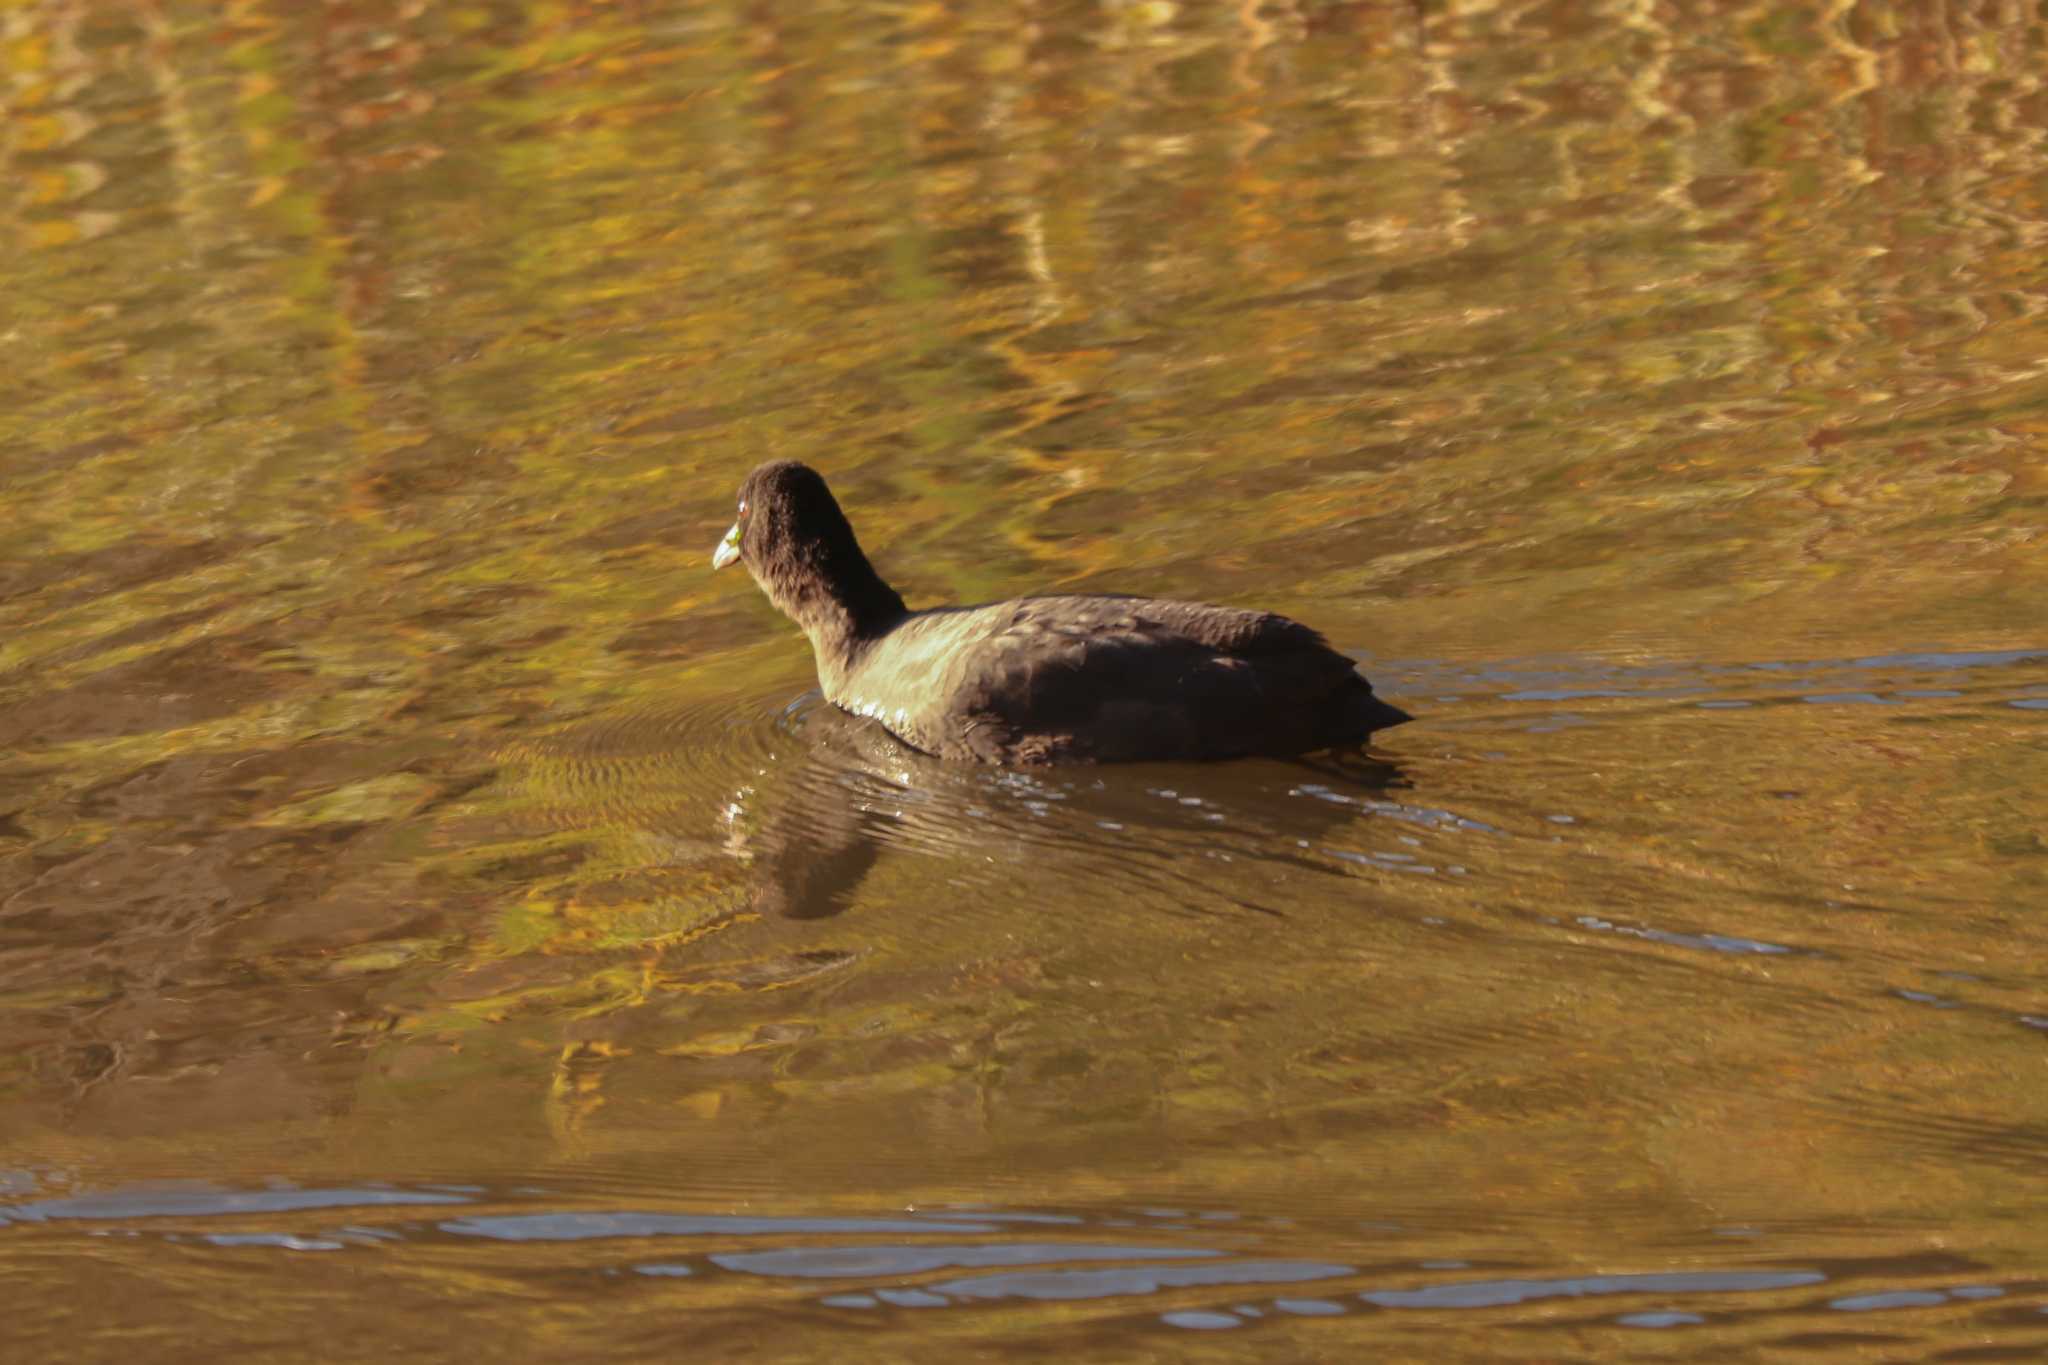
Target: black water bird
{"points": [[1038, 680]]}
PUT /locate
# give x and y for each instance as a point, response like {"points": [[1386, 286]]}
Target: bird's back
{"points": [[1086, 678]]}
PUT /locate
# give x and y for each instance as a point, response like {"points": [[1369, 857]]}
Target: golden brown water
{"points": [[436, 919]]}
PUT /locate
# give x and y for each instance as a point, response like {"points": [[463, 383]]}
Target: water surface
{"points": [[438, 915]]}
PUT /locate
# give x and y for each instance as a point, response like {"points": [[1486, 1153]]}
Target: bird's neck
{"points": [[840, 610]]}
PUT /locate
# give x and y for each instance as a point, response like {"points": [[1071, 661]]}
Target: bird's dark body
{"points": [[1111, 679], [1038, 680]]}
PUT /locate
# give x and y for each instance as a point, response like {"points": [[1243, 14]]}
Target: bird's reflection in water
{"points": [[814, 824]]}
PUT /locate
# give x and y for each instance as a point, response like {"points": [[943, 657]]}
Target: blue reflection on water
{"points": [[1719, 943], [1054, 1285], [1494, 1293], [576, 1227], [1899, 1298], [1660, 1319], [282, 1241], [205, 1203], [1569, 679], [834, 1262]]}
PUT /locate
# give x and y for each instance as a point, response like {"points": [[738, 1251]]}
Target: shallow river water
{"points": [[439, 919]]}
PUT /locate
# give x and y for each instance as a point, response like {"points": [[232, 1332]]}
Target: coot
{"points": [[1036, 680]]}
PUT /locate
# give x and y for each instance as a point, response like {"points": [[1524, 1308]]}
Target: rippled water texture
{"points": [[438, 918]]}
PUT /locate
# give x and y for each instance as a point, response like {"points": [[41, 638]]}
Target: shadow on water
{"points": [[812, 830]]}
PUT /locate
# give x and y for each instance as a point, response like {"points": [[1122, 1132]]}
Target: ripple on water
{"points": [[787, 805], [1532, 689], [646, 764], [1169, 835], [1195, 1271], [687, 813]]}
